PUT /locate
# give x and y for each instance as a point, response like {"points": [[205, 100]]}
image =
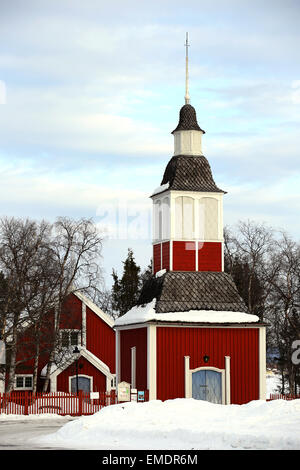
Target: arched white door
{"points": [[207, 385]]}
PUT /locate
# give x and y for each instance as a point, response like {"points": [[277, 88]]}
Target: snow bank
{"points": [[184, 424], [144, 313]]}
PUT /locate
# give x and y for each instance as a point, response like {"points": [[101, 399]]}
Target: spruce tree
{"points": [[126, 290]]}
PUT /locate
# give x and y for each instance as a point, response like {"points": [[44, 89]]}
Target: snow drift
{"points": [[184, 424]]}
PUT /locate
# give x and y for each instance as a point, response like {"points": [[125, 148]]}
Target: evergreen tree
{"points": [[126, 290], [146, 274]]}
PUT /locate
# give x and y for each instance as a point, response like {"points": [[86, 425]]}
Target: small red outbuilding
{"points": [[82, 324]]}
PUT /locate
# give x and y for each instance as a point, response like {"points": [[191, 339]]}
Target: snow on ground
{"points": [[184, 424], [273, 382]]}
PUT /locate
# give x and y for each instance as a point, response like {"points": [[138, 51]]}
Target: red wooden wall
{"points": [[100, 339], [71, 314], [166, 256], [84, 368], [129, 339], [241, 344], [157, 257], [209, 256], [184, 257]]}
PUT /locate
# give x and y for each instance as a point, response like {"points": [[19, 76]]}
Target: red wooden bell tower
{"points": [[188, 206]]}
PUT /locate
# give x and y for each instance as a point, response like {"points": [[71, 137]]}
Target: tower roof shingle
{"points": [[190, 173], [178, 291], [188, 120]]}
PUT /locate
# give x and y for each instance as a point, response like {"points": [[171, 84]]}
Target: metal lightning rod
{"points": [[187, 96]]}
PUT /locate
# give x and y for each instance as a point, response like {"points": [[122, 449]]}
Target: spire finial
{"points": [[187, 96]]}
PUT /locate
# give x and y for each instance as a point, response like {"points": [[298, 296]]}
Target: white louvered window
{"points": [[184, 218], [208, 218], [157, 220], [166, 218]]}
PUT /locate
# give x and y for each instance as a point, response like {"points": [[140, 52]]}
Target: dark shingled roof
{"points": [[190, 173], [178, 291], [188, 120]]}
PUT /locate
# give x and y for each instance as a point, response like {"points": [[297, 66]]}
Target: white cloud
{"points": [[93, 90]]}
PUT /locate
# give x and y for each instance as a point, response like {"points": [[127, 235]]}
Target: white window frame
{"points": [[70, 331], [81, 375], [113, 383], [23, 376]]}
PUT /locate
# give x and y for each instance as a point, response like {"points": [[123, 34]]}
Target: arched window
{"points": [[184, 217], [208, 218]]}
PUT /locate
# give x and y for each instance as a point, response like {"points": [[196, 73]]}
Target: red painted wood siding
{"points": [[71, 313], [129, 339], [184, 256], [84, 368], [166, 256], [100, 339], [241, 344], [209, 256], [157, 257]]}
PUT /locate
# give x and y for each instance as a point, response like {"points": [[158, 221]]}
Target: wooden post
{"points": [[26, 403], [80, 402]]}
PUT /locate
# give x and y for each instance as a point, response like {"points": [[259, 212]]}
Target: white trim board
{"points": [[225, 377], [106, 318], [95, 361]]}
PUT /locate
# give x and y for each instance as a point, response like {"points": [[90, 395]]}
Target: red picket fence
{"points": [[63, 404], [280, 396]]}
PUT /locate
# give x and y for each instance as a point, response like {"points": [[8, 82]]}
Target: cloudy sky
{"points": [[90, 92]]}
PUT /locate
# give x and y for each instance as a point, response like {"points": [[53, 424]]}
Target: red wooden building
{"points": [[190, 334], [86, 326]]}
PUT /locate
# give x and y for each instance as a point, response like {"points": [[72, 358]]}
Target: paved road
{"points": [[19, 434]]}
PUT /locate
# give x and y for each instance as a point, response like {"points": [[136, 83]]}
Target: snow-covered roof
{"points": [[146, 313], [160, 189]]}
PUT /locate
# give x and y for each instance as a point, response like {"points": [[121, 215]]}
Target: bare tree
{"points": [[76, 248], [21, 244], [42, 264], [285, 306], [247, 252]]}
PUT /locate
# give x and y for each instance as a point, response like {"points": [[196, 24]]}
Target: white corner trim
{"points": [[83, 323], [188, 392], [151, 361], [262, 363], [133, 367], [118, 358], [227, 380], [106, 318]]}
